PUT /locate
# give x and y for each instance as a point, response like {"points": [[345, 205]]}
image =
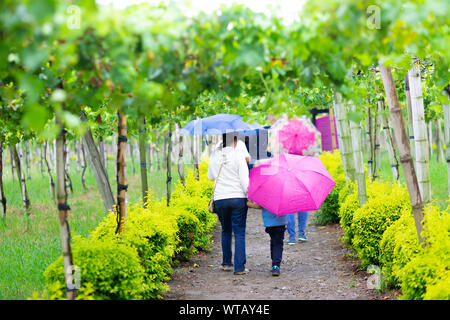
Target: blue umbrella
{"points": [[217, 124]]}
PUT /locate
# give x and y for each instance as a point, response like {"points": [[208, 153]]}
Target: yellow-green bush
{"points": [[137, 263], [371, 220], [153, 234], [398, 246], [440, 290], [429, 269], [350, 203], [333, 163], [328, 212], [109, 270], [187, 224], [194, 197]]}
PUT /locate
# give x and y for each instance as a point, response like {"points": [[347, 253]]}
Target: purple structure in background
{"points": [[323, 125]]}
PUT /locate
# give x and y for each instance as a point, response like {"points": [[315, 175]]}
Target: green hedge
{"points": [[108, 270], [137, 263], [383, 232]]}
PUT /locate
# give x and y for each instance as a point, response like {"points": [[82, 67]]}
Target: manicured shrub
{"points": [[329, 211], [398, 246], [109, 270], [188, 227], [153, 234], [430, 268], [440, 290], [346, 211], [194, 197], [198, 206], [372, 219], [350, 203]]}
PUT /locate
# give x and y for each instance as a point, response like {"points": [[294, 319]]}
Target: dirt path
{"points": [[318, 269]]}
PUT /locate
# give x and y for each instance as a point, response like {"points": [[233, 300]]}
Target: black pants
{"points": [[276, 243]]}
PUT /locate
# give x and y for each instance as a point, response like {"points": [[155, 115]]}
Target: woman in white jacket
{"points": [[228, 168]]}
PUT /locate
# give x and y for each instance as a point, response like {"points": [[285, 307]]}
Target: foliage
{"points": [[350, 203], [194, 197], [152, 234], [109, 270], [429, 269], [371, 220], [328, 212], [398, 246]]}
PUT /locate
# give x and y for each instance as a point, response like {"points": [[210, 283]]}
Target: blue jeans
{"points": [[232, 215], [302, 220]]}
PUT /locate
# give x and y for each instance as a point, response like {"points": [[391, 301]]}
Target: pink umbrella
{"points": [[290, 183], [297, 136]]}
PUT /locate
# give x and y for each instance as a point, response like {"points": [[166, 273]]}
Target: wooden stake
{"points": [[402, 143], [420, 134], [169, 164], [345, 139], [63, 210], [2, 192], [143, 159], [99, 170], [49, 171], [21, 177], [355, 129], [122, 186]]}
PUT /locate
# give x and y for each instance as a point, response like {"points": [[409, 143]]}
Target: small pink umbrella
{"points": [[290, 183], [297, 136]]}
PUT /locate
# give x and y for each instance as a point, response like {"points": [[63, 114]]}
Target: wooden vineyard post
{"points": [[376, 146], [355, 129], [180, 156], [389, 142], [439, 147], [410, 119], [420, 134], [49, 171], [27, 159], [83, 165], [143, 159], [101, 150], [169, 164], [371, 142], [122, 186], [402, 143], [150, 156], [446, 110], [2, 192], [21, 177], [333, 132], [13, 163], [158, 157], [99, 170], [63, 210], [66, 168], [344, 137]]}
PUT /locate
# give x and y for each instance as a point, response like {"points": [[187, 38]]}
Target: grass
{"points": [[438, 178], [29, 244]]}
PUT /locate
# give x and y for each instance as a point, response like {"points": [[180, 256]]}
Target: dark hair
{"points": [[226, 143]]}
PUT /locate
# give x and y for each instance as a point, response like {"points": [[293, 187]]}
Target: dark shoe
{"points": [[276, 271]]}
